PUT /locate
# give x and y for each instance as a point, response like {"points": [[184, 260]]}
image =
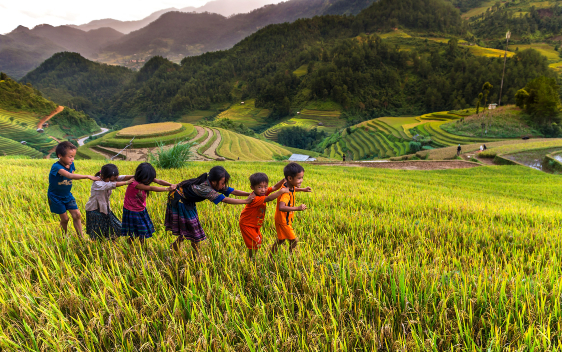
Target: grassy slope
{"points": [[422, 238]]}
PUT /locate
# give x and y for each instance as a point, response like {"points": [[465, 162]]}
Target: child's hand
{"points": [[285, 190], [172, 188], [129, 181], [302, 207], [307, 189], [94, 178], [251, 196]]}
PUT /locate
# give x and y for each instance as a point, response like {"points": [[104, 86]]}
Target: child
{"points": [[100, 220], [60, 197], [294, 174], [136, 221], [251, 219], [181, 213]]}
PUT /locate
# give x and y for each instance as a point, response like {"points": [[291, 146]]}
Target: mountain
{"points": [[123, 26], [222, 7], [186, 34], [23, 49], [366, 75], [87, 85], [76, 40]]}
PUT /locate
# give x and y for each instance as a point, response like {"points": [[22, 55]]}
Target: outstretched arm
{"points": [[162, 183], [307, 189], [278, 185], [155, 189], [285, 208], [276, 195], [77, 177], [240, 193], [123, 183], [239, 201]]}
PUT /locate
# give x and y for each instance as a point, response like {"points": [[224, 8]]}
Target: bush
{"points": [[174, 158], [415, 147]]}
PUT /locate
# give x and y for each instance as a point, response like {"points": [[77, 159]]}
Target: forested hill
{"points": [[368, 76], [71, 80]]}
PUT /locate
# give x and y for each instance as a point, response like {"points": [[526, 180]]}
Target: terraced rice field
{"points": [[328, 121], [10, 147], [151, 130], [26, 132], [247, 114], [301, 71], [113, 140], [235, 146]]}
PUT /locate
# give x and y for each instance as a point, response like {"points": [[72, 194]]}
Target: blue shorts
{"points": [[59, 206]]}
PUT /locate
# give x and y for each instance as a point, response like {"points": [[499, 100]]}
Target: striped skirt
{"points": [[136, 224], [184, 222], [100, 225]]}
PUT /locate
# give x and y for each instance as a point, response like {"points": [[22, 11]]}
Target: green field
{"points": [[196, 115], [247, 114], [301, 71], [112, 139], [22, 127], [465, 258], [235, 146], [11, 147], [323, 120]]}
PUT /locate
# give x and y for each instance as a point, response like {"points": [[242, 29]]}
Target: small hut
{"points": [[492, 106], [23, 142], [45, 125], [242, 103], [40, 130], [298, 112]]}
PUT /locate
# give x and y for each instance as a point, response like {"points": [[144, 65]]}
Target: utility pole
{"points": [[507, 36]]}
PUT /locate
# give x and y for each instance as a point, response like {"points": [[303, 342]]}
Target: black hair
{"points": [[258, 178], [145, 174], [292, 169], [108, 171], [216, 174], [64, 147]]}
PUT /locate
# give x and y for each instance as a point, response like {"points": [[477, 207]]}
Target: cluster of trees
{"points": [[73, 81], [540, 99], [495, 23], [17, 97], [465, 5], [298, 137]]}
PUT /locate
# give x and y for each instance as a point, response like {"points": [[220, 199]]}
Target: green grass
{"points": [[546, 50]]}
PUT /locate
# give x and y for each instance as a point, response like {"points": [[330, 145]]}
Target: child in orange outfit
{"points": [[251, 219], [284, 214]]}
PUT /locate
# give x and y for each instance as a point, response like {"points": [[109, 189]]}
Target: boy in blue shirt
{"points": [[61, 176]]}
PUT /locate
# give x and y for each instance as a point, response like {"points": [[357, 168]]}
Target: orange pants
{"points": [[285, 232], [252, 236]]}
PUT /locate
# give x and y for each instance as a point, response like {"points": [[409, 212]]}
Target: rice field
{"points": [[323, 120], [519, 147], [114, 140], [235, 146], [22, 127], [406, 261], [151, 130], [11, 147], [247, 114]]}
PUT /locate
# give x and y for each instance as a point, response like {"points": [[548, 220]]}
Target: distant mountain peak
{"points": [[20, 28]]}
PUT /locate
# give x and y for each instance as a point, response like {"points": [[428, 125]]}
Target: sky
{"points": [[30, 13]]}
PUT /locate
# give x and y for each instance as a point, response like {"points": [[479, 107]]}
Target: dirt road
{"points": [[50, 116]]}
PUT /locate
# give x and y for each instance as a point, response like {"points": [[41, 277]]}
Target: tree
{"points": [[11, 119], [541, 100], [3, 76], [486, 90], [478, 102]]}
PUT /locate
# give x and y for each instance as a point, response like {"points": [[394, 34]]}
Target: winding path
{"points": [[212, 151], [50, 116], [82, 140]]}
